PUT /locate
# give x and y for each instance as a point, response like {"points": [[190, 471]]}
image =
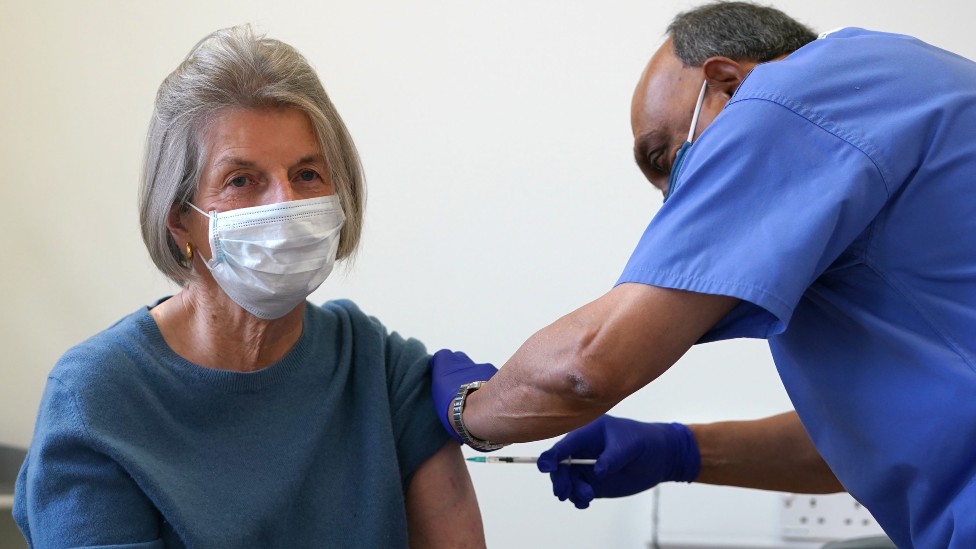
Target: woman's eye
{"points": [[239, 181], [307, 175]]}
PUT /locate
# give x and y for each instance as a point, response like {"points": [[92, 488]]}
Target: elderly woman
{"points": [[236, 414]]}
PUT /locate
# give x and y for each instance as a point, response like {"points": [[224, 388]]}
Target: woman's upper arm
{"points": [[442, 510]]}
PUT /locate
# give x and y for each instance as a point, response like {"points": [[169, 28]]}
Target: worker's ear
{"points": [[724, 74]]}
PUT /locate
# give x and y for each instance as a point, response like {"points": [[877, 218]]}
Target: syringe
{"points": [[524, 459]]}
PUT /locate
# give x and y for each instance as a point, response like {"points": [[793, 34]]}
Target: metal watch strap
{"points": [[457, 409]]}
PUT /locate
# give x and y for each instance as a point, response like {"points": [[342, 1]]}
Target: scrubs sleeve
{"points": [[766, 202]]}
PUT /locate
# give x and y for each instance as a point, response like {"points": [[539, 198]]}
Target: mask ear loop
{"points": [[694, 116], [691, 135], [199, 210], [214, 243]]}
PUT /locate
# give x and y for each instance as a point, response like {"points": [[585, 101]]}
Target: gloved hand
{"points": [[449, 371], [631, 457]]}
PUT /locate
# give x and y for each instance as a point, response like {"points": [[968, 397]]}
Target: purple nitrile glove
{"points": [[449, 371], [631, 457]]}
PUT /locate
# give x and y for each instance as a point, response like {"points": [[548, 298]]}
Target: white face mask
{"points": [[268, 259]]}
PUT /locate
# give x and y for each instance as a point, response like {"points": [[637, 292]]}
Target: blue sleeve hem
{"points": [[154, 544], [764, 300]]}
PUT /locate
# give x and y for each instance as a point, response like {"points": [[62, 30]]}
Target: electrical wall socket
{"points": [[825, 518]]}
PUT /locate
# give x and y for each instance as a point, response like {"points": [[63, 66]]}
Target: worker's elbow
{"points": [[588, 386], [588, 372]]}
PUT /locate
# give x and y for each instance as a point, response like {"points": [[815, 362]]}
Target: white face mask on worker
{"points": [[268, 259]]}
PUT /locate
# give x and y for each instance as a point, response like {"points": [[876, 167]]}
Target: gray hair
{"points": [[234, 68], [737, 30]]}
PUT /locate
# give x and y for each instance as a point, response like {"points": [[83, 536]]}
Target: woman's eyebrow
{"points": [[234, 161], [244, 163], [311, 159]]}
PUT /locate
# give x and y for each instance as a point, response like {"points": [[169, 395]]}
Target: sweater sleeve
{"points": [[418, 432], [69, 494]]}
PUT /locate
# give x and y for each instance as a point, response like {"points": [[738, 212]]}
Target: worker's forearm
{"points": [[579, 367], [523, 403], [773, 453]]}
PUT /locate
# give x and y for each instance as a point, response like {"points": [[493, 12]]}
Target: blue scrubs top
{"points": [[836, 196]]}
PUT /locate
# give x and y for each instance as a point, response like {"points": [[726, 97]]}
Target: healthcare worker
{"points": [[824, 199]]}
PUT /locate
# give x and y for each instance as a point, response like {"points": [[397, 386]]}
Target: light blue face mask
{"points": [[680, 157]]}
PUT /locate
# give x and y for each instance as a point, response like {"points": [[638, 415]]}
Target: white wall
{"points": [[503, 194]]}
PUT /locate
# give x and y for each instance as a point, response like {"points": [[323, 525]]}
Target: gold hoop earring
{"points": [[189, 252]]}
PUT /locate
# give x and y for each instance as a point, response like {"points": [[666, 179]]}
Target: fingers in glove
{"points": [[582, 492], [562, 484], [548, 461]]}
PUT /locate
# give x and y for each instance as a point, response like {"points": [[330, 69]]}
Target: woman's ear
{"points": [[724, 74], [174, 222]]}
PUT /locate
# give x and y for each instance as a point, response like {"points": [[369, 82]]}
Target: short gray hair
{"points": [[737, 30], [235, 68]]}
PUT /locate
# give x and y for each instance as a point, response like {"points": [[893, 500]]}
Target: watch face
{"points": [[458, 422]]}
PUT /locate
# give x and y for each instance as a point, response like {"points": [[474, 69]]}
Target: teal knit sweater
{"points": [[136, 447]]}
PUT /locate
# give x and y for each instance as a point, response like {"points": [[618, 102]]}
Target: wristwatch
{"points": [[457, 408]]}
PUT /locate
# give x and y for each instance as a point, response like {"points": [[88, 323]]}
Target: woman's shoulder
{"points": [[343, 306], [345, 312], [106, 358], [352, 324]]}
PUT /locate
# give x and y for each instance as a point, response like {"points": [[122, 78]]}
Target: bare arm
{"points": [[579, 367], [773, 453], [442, 511], [583, 364]]}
